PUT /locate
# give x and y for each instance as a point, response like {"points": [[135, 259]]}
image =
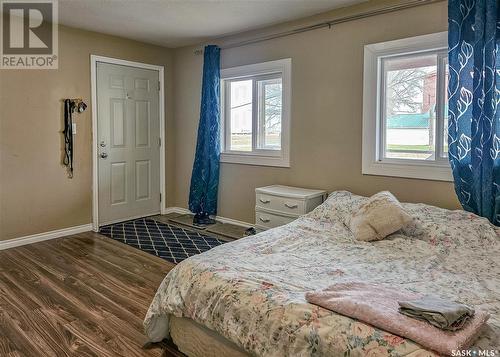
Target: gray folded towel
{"points": [[444, 314]]}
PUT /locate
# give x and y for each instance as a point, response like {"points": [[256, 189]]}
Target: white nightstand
{"points": [[278, 205]]}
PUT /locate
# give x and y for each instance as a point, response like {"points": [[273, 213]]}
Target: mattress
{"points": [[195, 340], [251, 291]]}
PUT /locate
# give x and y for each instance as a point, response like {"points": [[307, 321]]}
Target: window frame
{"points": [[374, 161], [260, 71]]}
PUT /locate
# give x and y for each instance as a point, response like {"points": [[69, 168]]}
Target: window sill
{"points": [[258, 160], [417, 170]]}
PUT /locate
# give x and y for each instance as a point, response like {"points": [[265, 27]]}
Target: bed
{"points": [[247, 297]]}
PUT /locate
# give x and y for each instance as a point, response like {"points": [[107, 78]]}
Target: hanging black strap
{"points": [[68, 136]]}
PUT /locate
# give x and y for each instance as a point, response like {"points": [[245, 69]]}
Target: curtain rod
{"points": [[329, 24]]}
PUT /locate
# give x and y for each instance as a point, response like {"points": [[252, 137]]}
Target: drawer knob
{"points": [[263, 200], [265, 220], [289, 205]]}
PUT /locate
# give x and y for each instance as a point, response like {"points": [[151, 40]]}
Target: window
{"points": [[256, 113], [405, 124]]}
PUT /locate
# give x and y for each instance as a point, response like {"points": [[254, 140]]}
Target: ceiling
{"points": [[176, 23]]}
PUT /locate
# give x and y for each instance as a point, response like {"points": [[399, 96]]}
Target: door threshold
{"points": [[128, 219]]}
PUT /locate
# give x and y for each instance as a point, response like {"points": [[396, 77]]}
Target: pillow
{"points": [[338, 207], [380, 216]]}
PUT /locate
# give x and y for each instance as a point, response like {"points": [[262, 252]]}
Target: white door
{"points": [[128, 138]]}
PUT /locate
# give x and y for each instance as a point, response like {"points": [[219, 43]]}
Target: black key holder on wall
{"points": [[70, 106]]}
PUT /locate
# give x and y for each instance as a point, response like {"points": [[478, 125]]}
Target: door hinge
{"points": [[160, 197], [159, 86], [159, 141]]}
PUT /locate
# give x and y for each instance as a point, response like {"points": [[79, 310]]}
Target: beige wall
{"points": [[35, 194], [327, 79]]}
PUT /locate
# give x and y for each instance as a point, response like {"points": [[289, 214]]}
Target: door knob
{"points": [[104, 155]]}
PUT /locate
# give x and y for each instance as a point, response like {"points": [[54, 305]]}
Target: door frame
{"points": [[94, 60]]}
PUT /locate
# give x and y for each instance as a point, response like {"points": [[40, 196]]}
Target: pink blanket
{"points": [[378, 306]]}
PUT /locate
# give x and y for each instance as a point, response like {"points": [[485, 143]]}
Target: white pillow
{"points": [[380, 216]]}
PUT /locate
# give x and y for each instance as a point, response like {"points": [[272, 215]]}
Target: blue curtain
{"points": [[474, 95], [205, 175]]}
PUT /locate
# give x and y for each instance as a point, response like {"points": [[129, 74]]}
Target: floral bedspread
{"points": [[251, 291]]}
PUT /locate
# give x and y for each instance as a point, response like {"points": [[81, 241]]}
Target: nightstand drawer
{"points": [[266, 220], [281, 204]]}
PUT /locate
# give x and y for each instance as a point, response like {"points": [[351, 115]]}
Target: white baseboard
{"points": [[218, 218], [233, 221], [16, 242], [179, 210]]}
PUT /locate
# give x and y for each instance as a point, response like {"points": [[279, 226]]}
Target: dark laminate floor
{"points": [[84, 295]]}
